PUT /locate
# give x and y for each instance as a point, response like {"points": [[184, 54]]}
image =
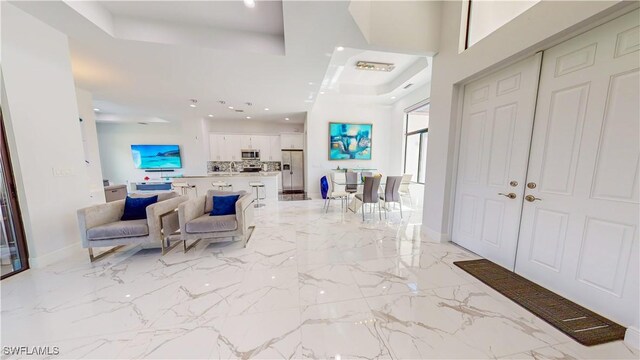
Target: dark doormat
{"points": [[583, 325]]}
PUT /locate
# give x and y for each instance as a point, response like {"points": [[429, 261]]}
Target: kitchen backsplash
{"points": [[226, 165]]}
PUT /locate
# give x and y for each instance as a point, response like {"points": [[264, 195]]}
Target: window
{"points": [[416, 137], [13, 251]]}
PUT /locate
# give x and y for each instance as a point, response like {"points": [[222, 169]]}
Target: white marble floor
{"points": [[308, 285]]}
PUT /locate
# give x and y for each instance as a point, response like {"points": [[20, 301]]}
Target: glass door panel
{"points": [[13, 252]]}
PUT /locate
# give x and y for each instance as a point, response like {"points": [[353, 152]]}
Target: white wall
{"points": [[399, 26], [252, 126], [41, 112], [115, 140], [90, 145], [339, 108], [539, 27], [489, 15]]}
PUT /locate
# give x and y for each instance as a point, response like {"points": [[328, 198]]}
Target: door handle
{"points": [[531, 198], [509, 195]]}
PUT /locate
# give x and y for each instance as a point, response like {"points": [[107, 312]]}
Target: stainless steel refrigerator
{"points": [[292, 171]]}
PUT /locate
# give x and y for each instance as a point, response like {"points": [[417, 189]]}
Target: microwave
{"points": [[250, 154]]}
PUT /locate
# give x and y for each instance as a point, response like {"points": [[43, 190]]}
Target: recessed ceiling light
{"points": [[96, 110], [266, 109], [321, 92], [210, 115], [340, 48], [248, 117], [250, 3], [393, 97], [231, 107], [286, 119], [310, 83], [193, 103]]}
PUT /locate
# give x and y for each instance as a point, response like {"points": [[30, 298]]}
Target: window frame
{"points": [[418, 132]]}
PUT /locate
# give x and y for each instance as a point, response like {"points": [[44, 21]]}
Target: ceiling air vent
{"points": [[238, 110], [408, 86]]}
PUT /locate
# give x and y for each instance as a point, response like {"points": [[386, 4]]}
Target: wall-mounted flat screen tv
{"points": [[156, 156]]}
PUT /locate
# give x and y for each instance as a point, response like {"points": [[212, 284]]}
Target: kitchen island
{"points": [[239, 181]]}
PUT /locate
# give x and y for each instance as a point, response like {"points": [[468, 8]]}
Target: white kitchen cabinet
{"points": [[215, 147], [275, 148], [228, 147], [253, 142], [224, 147], [261, 143], [233, 146], [292, 141], [245, 142]]}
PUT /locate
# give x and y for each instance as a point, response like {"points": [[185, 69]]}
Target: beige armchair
{"points": [[196, 224], [100, 225]]}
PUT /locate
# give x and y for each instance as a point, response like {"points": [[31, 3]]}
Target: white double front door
{"points": [[497, 119], [573, 223]]}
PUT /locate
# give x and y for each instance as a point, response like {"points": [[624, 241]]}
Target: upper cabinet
{"points": [[214, 147], [292, 141], [275, 148], [224, 147], [245, 142], [228, 147]]}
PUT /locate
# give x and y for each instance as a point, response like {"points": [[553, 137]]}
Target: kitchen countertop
{"points": [[234, 174]]}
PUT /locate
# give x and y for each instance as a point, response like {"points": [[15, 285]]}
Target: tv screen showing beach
{"points": [[156, 156]]}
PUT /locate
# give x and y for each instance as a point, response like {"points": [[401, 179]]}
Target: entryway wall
{"points": [[547, 23], [576, 230]]}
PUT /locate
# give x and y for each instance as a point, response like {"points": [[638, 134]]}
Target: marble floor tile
{"points": [[326, 283], [308, 284], [270, 335], [490, 325], [573, 350], [403, 274], [181, 342], [414, 327], [341, 330], [266, 290]]}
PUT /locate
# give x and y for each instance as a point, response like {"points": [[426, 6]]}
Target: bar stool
{"points": [[221, 185], [257, 185], [184, 188]]}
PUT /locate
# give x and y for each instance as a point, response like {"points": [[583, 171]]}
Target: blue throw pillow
{"points": [[136, 208], [224, 205]]}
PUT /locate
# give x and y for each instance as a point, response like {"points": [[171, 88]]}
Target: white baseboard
{"points": [[434, 236], [632, 337], [55, 256], [315, 196]]}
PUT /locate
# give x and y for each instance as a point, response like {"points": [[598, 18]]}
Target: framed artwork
{"points": [[350, 141]]}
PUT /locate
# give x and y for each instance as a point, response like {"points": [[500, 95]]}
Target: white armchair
{"points": [[196, 224], [100, 225]]}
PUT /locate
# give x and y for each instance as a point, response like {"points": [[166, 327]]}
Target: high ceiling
{"points": [[266, 17], [146, 60]]}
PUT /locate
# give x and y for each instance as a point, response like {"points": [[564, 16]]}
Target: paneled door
{"points": [[496, 130], [579, 231]]}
